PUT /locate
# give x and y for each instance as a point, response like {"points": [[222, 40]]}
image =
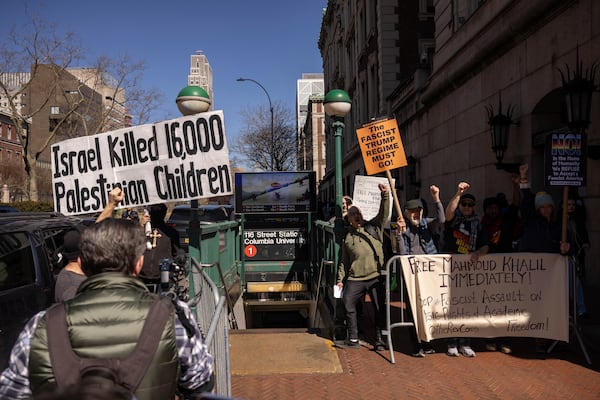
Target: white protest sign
{"points": [[367, 196], [502, 295], [175, 160]]}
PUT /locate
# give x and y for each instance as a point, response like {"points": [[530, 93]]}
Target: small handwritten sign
{"points": [[367, 195], [516, 294]]}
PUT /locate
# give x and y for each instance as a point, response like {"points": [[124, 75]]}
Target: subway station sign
{"points": [[381, 146]]}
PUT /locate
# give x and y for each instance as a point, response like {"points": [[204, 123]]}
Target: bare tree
{"points": [[96, 99], [254, 143]]}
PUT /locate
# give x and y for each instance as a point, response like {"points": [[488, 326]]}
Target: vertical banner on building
{"points": [[381, 146], [564, 163], [516, 294]]}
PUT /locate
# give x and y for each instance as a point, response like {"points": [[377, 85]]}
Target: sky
{"points": [[271, 41]]}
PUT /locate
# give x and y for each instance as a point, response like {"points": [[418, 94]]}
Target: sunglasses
{"points": [[467, 204]]}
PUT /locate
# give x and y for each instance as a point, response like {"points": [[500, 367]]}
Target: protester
{"points": [[418, 238], [115, 197], [542, 232], [541, 229], [346, 203], [70, 276], [501, 225], [112, 254], [359, 269], [463, 235]]}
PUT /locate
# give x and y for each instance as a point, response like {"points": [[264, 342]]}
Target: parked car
{"points": [[8, 209], [207, 214], [28, 266]]}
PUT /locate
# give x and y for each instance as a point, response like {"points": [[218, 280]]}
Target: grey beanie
{"points": [[543, 199]]}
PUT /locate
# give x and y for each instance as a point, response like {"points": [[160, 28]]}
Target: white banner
{"points": [[180, 159], [502, 295]]}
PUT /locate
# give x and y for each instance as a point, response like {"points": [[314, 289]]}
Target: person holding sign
{"points": [[541, 230], [463, 235], [362, 259], [502, 230], [418, 239]]}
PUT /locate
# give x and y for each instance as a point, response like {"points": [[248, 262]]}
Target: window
{"points": [[54, 110], [463, 9], [16, 261]]}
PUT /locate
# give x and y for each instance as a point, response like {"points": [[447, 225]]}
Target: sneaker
{"points": [[352, 343], [380, 345], [504, 348], [466, 351], [452, 351], [491, 347], [419, 353]]}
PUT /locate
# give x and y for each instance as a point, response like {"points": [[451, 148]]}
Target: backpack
{"points": [[96, 375]]}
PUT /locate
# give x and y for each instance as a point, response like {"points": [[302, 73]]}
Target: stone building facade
{"points": [[484, 52]]}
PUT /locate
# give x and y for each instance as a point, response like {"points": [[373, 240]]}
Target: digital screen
{"points": [[275, 192]]}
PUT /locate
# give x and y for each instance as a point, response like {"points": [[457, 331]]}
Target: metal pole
{"points": [[271, 109], [338, 130]]}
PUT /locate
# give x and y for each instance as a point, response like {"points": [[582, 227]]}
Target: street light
{"points": [[193, 100], [271, 109], [499, 128], [337, 104]]}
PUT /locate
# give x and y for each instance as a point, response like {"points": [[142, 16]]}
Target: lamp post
{"points": [[193, 100], [578, 90], [499, 128], [337, 104], [271, 109]]}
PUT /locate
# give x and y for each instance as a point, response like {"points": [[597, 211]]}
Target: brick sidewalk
{"points": [[563, 374], [525, 374]]}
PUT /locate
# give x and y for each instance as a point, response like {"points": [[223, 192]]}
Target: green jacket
{"points": [[105, 320], [362, 254]]}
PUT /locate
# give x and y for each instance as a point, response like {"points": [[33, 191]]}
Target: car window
{"points": [[16, 261]]}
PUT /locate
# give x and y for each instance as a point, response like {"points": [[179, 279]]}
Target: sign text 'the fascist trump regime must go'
{"points": [[381, 146], [180, 159]]}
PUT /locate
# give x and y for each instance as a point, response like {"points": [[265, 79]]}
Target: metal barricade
{"points": [[393, 265], [211, 313]]}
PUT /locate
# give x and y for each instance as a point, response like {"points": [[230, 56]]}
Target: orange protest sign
{"points": [[381, 146]]}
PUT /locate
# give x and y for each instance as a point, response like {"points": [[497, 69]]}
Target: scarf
{"points": [[470, 223]]}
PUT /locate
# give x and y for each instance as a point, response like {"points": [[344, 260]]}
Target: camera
{"points": [[174, 280]]}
